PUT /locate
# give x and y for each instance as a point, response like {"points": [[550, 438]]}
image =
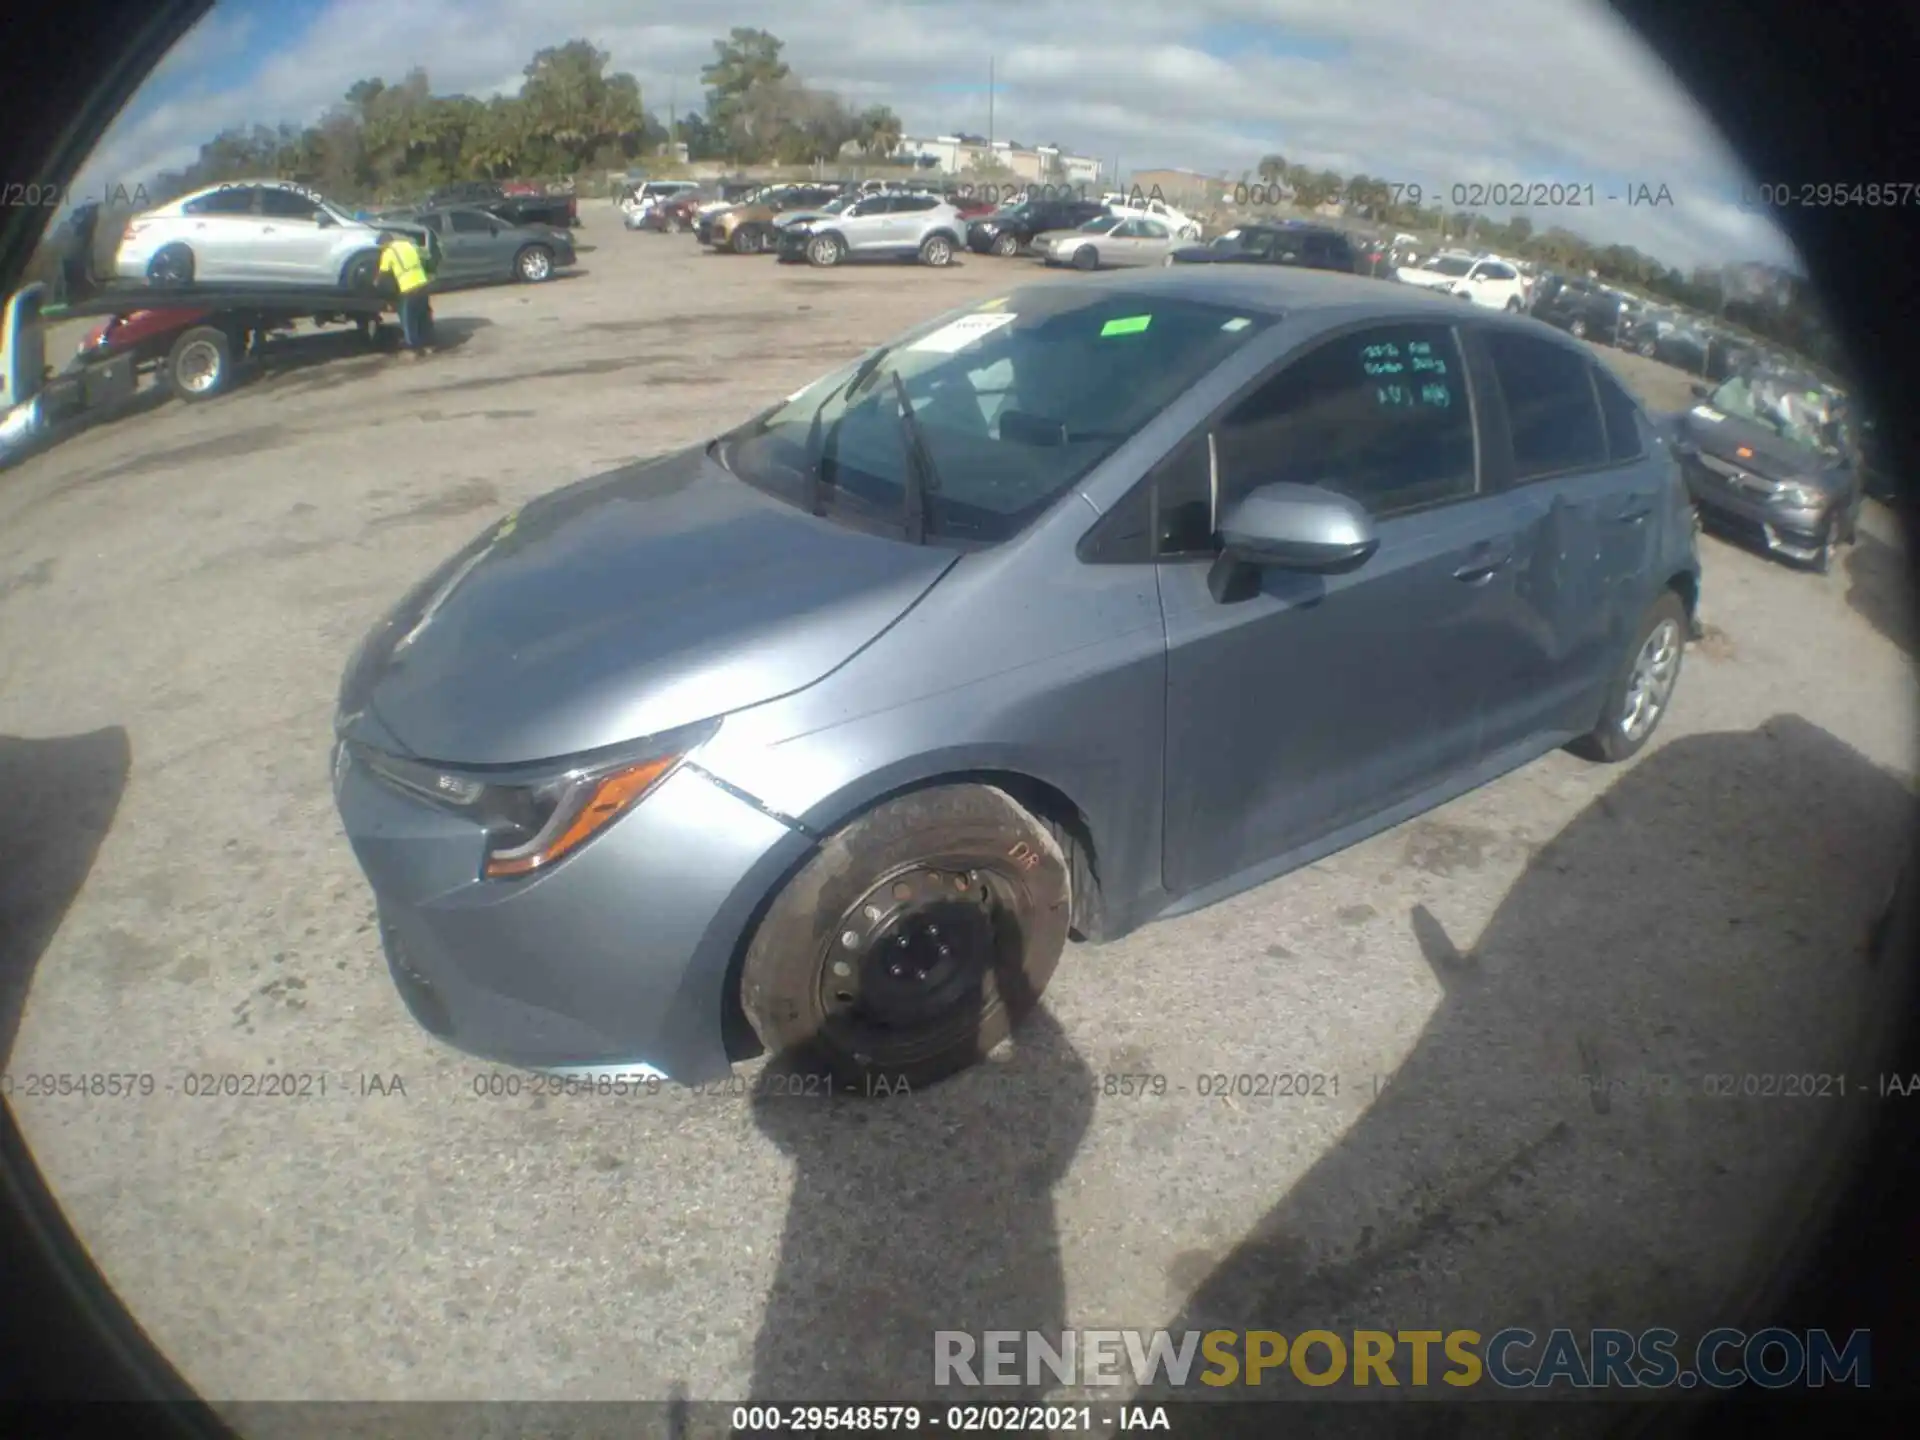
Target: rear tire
{"points": [[913, 941], [200, 364], [746, 240], [1647, 678], [1006, 246], [171, 265], [1578, 329]]}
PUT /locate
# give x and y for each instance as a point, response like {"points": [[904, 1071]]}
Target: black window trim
{"points": [[1473, 381], [252, 194], [1502, 429], [1597, 378]]}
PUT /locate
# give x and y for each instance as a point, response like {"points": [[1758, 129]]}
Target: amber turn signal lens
{"points": [[607, 798]]}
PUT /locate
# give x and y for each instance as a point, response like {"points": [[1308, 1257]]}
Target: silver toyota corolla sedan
{"points": [[1092, 604]]}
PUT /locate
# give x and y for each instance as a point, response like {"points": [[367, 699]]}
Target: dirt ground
{"points": [[179, 590]]}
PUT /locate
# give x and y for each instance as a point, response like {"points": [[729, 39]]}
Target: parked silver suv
{"points": [[898, 226]]}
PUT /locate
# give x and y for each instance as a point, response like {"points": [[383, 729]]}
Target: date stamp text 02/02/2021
{"points": [[1483, 194]]}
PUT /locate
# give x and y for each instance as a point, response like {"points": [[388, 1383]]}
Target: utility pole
{"points": [[673, 120], [990, 107]]}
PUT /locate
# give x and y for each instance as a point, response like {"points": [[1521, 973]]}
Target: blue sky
{"points": [[1426, 91]]}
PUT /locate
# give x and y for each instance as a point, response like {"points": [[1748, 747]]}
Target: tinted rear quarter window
{"points": [[1552, 413]]}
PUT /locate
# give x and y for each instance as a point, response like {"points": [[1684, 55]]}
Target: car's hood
{"points": [[799, 217], [1723, 436], [1431, 279], [623, 606]]}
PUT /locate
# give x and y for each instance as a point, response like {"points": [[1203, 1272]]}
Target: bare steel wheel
{"points": [[913, 942]]}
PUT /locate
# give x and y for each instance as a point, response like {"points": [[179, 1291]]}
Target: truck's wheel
{"points": [[361, 272], [534, 264], [200, 365], [912, 942], [1641, 692], [171, 265]]}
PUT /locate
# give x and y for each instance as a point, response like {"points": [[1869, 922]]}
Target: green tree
{"points": [[879, 131], [1273, 169], [575, 107], [747, 60]]}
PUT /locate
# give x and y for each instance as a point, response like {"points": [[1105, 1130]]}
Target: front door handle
{"points": [[1635, 510], [1485, 564]]}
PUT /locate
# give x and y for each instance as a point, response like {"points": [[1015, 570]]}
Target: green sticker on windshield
{"points": [[1131, 325]]}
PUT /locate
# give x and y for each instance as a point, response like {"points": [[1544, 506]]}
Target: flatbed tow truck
{"points": [[195, 339]]}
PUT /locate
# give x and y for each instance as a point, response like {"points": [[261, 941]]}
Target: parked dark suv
{"points": [[1009, 231], [1312, 247], [1582, 308]]}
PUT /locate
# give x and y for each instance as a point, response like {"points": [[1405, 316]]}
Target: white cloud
{"points": [[1416, 90]]}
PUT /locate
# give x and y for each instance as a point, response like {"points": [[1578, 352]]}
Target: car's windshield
{"points": [[1796, 415], [1017, 399], [1449, 265]]}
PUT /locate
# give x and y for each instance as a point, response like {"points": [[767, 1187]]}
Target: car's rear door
{"points": [[1318, 702], [292, 245], [222, 230], [1585, 511]]}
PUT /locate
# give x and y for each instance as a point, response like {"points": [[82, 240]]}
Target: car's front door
{"points": [[1322, 700], [473, 246]]}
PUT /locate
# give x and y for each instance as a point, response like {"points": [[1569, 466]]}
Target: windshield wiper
{"points": [[922, 478]]}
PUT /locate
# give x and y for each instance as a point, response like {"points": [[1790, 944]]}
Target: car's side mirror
{"points": [[1298, 527], [322, 219]]}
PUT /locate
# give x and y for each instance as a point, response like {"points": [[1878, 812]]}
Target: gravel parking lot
{"points": [[178, 592]]}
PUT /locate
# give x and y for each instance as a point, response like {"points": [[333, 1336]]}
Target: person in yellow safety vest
{"points": [[404, 272]]}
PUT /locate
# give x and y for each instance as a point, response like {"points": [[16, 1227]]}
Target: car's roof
{"points": [[1322, 296]]}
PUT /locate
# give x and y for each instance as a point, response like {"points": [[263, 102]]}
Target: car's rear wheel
{"points": [[1513, 306], [936, 250], [910, 945], [1086, 258], [745, 241], [1006, 245], [200, 364], [825, 251], [1578, 329], [673, 225], [171, 265], [1641, 693], [1647, 349]]}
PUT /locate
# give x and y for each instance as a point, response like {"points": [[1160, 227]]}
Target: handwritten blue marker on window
{"points": [[1129, 325]]}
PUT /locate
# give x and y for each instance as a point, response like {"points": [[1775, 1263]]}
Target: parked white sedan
{"points": [[250, 232], [1108, 240]]}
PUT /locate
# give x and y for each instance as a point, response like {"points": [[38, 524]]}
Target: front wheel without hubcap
{"points": [[200, 363], [937, 251], [1640, 695], [824, 251], [1578, 329], [1006, 245], [1086, 258], [912, 943]]}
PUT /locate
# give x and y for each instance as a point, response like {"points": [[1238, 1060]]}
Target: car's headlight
{"points": [[1799, 494], [536, 816]]}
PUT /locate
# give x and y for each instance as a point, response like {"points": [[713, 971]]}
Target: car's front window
{"points": [[1016, 400], [1447, 265]]}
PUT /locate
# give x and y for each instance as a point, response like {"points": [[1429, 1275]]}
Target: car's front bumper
{"points": [[1795, 531], [617, 959]]}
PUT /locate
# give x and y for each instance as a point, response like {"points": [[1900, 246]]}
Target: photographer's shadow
{"points": [[919, 1213]]}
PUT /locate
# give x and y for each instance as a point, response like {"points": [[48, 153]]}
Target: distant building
{"points": [[1181, 186], [1041, 164]]}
